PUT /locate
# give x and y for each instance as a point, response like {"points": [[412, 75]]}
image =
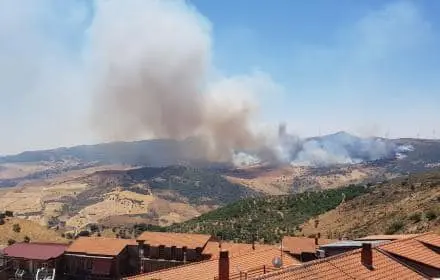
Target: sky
{"points": [[320, 66]]}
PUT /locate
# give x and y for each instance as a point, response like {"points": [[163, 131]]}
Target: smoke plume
{"points": [[153, 78]]}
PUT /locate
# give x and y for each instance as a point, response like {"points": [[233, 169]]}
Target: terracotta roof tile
{"points": [[430, 238], [179, 240], [207, 270], [414, 249], [235, 249], [297, 245], [388, 237], [35, 251], [100, 246], [346, 266]]}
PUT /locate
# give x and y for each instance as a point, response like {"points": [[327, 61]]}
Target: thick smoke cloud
{"points": [[152, 78]]}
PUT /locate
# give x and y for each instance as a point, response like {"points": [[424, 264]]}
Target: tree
{"points": [[16, 228]]}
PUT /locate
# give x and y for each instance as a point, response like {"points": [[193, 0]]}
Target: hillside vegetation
{"points": [[19, 230], [267, 218], [404, 205]]}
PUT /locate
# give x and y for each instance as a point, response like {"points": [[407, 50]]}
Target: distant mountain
{"points": [[161, 152], [328, 150]]}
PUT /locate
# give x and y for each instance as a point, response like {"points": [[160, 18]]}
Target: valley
{"points": [[69, 189]]}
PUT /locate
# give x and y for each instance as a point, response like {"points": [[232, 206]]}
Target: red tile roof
{"points": [[235, 249], [431, 239], [35, 251], [413, 249], [99, 246], [388, 237], [180, 240], [346, 266], [297, 245], [207, 270]]}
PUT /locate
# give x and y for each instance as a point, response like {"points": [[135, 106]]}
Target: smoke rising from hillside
{"points": [[153, 79]]}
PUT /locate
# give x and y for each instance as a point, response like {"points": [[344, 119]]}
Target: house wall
{"points": [[332, 251], [79, 267], [157, 258]]}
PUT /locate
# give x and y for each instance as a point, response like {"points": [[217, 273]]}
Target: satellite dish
{"points": [[277, 262]]}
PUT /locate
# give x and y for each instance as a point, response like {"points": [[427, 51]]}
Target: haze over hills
{"points": [[163, 182]]}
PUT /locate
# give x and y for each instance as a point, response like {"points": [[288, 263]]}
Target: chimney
{"points": [[223, 266], [367, 255]]}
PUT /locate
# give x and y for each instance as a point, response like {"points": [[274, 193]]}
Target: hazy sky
{"points": [[369, 67]]}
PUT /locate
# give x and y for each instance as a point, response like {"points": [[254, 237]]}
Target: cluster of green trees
{"points": [[265, 219]]}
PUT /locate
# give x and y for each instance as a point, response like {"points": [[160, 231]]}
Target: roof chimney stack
{"points": [[367, 255], [223, 266]]}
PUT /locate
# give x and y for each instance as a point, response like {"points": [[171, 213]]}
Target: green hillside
{"points": [[267, 218]]}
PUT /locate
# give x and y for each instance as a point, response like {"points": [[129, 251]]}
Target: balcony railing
{"points": [[249, 274]]}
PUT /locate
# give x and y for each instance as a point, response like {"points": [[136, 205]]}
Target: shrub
{"points": [[2, 221], [26, 239], [9, 213], [395, 227], [16, 228], [430, 215], [69, 235], [415, 217], [84, 233], [11, 241]]}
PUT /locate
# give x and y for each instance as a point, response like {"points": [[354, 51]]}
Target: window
{"points": [[89, 264]]}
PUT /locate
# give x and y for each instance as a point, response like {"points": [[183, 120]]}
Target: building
{"points": [[386, 237], [241, 266], [366, 263], [302, 248], [161, 250], [101, 258], [212, 248], [3, 264], [421, 253], [26, 259], [416, 257], [344, 246]]}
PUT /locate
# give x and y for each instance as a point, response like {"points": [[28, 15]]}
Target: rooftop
{"points": [[235, 249], [388, 237], [414, 249], [99, 246], [35, 251], [346, 266], [180, 240], [353, 243], [207, 270], [297, 245]]}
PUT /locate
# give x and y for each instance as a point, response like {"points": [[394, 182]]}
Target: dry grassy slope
{"points": [[285, 179], [403, 205], [33, 230]]}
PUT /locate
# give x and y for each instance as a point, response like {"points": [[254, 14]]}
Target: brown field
{"points": [[28, 228]]}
